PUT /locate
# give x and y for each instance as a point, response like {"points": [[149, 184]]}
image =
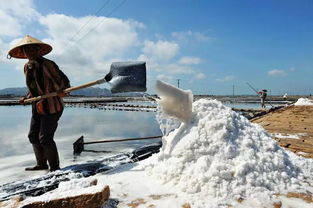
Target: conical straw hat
{"points": [[17, 51]]}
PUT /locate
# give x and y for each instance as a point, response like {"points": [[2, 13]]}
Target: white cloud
{"points": [[101, 42], [175, 70], [277, 72], [3, 50], [20, 9], [292, 69], [189, 60], [226, 79], [91, 51], [165, 77], [160, 50], [159, 55], [200, 76], [202, 37], [9, 25], [178, 69], [14, 15], [193, 36], [109, 40], [160, 62]]}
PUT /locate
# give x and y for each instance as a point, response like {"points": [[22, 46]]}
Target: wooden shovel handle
{"points": [[52, 94]]}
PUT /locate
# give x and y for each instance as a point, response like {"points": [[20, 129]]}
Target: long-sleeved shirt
{"points": [[43, 76]]}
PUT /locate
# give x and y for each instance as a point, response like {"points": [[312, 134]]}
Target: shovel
{"points": [[175, 102], [123, 77], [78, 145]]}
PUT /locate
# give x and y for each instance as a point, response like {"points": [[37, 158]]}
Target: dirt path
{"points": [[291, 127]]}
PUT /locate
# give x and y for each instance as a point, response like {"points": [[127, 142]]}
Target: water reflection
{"points": [[93, 124], [14, 126]]}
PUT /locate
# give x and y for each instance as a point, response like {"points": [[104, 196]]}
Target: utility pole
{"points": [[178, 82]]}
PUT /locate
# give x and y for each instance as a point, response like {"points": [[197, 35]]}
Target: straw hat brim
{"points": [[17, 51]]}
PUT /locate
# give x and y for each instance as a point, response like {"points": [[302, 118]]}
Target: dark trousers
{"points": [[41, 133]]}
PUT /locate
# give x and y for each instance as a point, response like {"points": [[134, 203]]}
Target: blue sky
{"points": [[210, 46]]}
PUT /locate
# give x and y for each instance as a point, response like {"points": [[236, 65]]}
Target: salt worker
{"points": [[43, 76], [263, 94]]}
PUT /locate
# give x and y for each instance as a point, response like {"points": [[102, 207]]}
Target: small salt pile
{"points": [[220, 156], [304, 101]]}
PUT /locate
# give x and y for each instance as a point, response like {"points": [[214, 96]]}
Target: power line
{"points": [[109, 14], [91, 18], [116, 8], [99, 10]]}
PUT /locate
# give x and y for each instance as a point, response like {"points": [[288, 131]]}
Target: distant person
{"points": [[263, 95], [285, 97], [43, 76]]}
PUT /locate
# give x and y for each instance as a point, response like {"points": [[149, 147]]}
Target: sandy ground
{"points": [[291, 127]]}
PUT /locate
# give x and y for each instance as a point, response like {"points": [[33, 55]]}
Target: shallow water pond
{"points": [[250, 105], [16, 152]]}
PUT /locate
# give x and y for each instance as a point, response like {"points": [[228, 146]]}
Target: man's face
{"points": [[31, 51]]}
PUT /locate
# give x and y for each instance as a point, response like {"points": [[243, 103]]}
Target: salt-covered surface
{"points": [[302, 153], [221, 154], [130, 184], [294, 203], [304, 101], [74, 187], [288, 136], [216, 159]]}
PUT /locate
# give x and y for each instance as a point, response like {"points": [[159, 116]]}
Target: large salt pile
{"points": [[220, 156]]}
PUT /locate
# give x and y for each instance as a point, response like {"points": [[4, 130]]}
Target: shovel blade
{"points": [[78, 145], [174, 101], [127, 77]]}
